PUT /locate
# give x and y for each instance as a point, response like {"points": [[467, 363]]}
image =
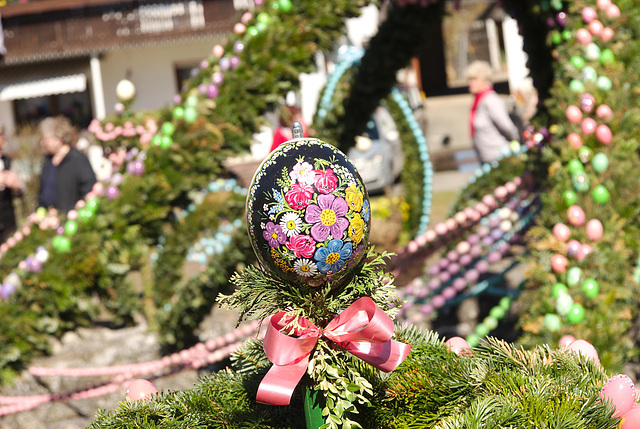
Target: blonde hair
{"points": [[59, 127], [480, 70]]}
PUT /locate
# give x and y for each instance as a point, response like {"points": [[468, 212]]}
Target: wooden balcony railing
{"points": [[86, 30]]}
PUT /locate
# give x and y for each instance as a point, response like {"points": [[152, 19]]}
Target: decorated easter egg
{"points": [[308, 214], [620, 391]]}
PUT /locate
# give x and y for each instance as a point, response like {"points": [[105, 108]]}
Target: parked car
{"points": [[377, 153]]}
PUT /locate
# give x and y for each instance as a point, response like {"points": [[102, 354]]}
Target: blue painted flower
{"points": [[366, 211], [332, 258]]}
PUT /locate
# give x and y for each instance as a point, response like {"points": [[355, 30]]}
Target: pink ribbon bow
{"points": [[362, 328]]}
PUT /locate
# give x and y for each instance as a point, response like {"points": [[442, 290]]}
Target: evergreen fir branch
{"points": [[259, 295]]}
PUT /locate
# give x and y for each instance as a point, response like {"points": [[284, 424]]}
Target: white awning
{"points": [[44, 87]]}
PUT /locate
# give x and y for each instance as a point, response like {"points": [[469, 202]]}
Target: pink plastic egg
{"points": [[458, 345], [218, 51], [603, 134], [558, 263], [595, 27], [603, 4], [583, 36], [604, 112], [621, 392], [573, 247], [574, 114], [561, 232], [613, 11], [585, 348], [594, 230], [575, 140], [575, 215], [606, 34], [589, 126], [501, 193], [631, 419], [140, 389], [583, 251], [588, 14], [564, 342]]}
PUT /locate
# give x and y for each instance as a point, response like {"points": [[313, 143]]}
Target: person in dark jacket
{"points": [[10, 186], [67, 175]]}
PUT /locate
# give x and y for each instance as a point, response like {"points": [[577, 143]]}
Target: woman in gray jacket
{"points": [[491, 127]]}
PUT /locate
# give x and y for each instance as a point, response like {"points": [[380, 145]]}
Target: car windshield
{"points": [[372, 130]]}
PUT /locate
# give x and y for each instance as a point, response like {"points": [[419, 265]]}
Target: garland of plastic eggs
{"points": [[351, 57], [61, 242], [461, 267], [247, 28], [213, 243], [572, 277], [121, 376], [458, 270]]}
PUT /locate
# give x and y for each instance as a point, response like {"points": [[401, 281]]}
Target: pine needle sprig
{"points": [[259, 295]]}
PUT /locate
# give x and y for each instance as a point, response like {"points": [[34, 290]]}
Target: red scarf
{"points": [[472, 114]]}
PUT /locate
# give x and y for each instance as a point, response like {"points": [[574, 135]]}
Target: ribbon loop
{"points": [[362, 328]]}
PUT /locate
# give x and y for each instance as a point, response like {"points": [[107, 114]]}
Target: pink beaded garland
{"points": [[441, 228], [501, 193]]}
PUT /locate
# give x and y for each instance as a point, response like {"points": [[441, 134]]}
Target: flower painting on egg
{"points": [[308, 214]]}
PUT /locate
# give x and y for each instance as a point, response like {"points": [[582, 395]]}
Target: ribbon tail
{"points": [[276, 388], [383, 356]]}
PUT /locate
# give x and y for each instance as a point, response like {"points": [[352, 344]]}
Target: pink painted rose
{"points": [[302, 246], [298, 196], [326, 181]]}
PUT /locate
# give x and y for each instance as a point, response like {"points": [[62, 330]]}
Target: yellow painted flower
{"points": [[354, 198], [356, 228]]}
